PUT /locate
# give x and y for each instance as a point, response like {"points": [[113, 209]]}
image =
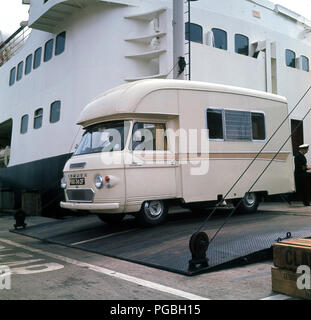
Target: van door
{"points": [[150, 168]]}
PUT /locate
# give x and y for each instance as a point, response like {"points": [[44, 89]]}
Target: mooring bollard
{"points": [[20, 216], [198, 245]]}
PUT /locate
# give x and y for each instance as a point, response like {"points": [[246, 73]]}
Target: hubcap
{"points": [[154, 208], [250, 199]]}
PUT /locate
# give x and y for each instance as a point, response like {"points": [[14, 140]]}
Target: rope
{"points": [[172, 68]]}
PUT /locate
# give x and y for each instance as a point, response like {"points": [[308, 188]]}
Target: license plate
{"points": [[77, 181]]}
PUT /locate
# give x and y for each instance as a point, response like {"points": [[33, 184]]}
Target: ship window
{"points": [[290, 58], [55, 111], [20, 68], [37, 123], [214, 124], [241, 44], [60, 43], [153, 136], [24, 123], [258, 126], [194, 33], [305, 63], [28, 64], [12, 76], [37, 58], [48, 50], [220, 38]]}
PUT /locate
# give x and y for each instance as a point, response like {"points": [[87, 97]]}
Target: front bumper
{"points": [[90, 206]]}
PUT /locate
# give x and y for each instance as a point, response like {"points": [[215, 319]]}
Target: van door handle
{"points": [[135, 164]]}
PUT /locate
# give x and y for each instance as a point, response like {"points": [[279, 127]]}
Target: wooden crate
{"points": [[290, 254], [285, 282]]}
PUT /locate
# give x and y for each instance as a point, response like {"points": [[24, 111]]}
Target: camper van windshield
{"points": [[104, 137]]}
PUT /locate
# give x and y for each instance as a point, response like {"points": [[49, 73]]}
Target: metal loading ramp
{"points": [[245, 238]]}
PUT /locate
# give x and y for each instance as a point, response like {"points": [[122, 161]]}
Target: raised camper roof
{"points": [[136, 98]]}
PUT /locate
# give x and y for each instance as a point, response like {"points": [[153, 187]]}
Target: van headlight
{"points": [[98, 181], [63, 183]]}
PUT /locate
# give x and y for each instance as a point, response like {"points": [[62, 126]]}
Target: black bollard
{"points": [[20, 217], [198, 245]]}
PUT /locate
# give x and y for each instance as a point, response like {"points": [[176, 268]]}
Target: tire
{"points": [[153, 213], [112, 218], [249, 203]]}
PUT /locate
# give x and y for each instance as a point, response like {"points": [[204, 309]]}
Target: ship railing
{"points": [[13, 44]]}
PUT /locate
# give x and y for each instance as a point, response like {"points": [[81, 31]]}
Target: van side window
{"points": [[238, 125], [149, 136], [234, 125], [258, 125], [214, 123]]}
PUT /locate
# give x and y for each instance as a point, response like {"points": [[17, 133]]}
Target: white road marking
{"points": [[102, 237], [118, 275], [17, 254], [2, 248], [277, 297], [19, 263], [38, 268]]}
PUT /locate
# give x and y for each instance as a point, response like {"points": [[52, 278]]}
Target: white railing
{"points": [[13, 44]]}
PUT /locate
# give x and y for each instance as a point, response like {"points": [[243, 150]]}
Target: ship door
{"points": [[5, 142], [297, 134], [150, 166]]}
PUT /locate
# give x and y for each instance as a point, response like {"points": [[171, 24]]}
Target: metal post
{"points": [[189, 43], [178, 35]]}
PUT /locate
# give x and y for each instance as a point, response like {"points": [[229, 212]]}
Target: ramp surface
{"points": [[243, 239]]}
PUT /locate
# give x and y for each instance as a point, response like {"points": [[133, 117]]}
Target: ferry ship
{"points": [[68, 52]]}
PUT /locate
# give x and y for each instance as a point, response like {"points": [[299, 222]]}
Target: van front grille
{"points": [[80, 195]]}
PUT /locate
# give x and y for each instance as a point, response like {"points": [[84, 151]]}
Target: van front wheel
{"points": [[153, 212], [249, 203]]}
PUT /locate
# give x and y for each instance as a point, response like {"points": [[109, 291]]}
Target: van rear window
{"points": [[214, 124]]}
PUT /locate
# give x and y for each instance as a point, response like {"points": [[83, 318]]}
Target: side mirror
{"points": [[137, 137]]}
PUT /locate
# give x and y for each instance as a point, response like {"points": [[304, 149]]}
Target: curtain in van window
{"points": [[238, 125]]}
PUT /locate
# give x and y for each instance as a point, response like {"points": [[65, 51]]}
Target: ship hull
{"points": [[40, 178]]}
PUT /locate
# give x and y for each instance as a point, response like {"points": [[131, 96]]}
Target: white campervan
{"points": [[152, 142]]}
